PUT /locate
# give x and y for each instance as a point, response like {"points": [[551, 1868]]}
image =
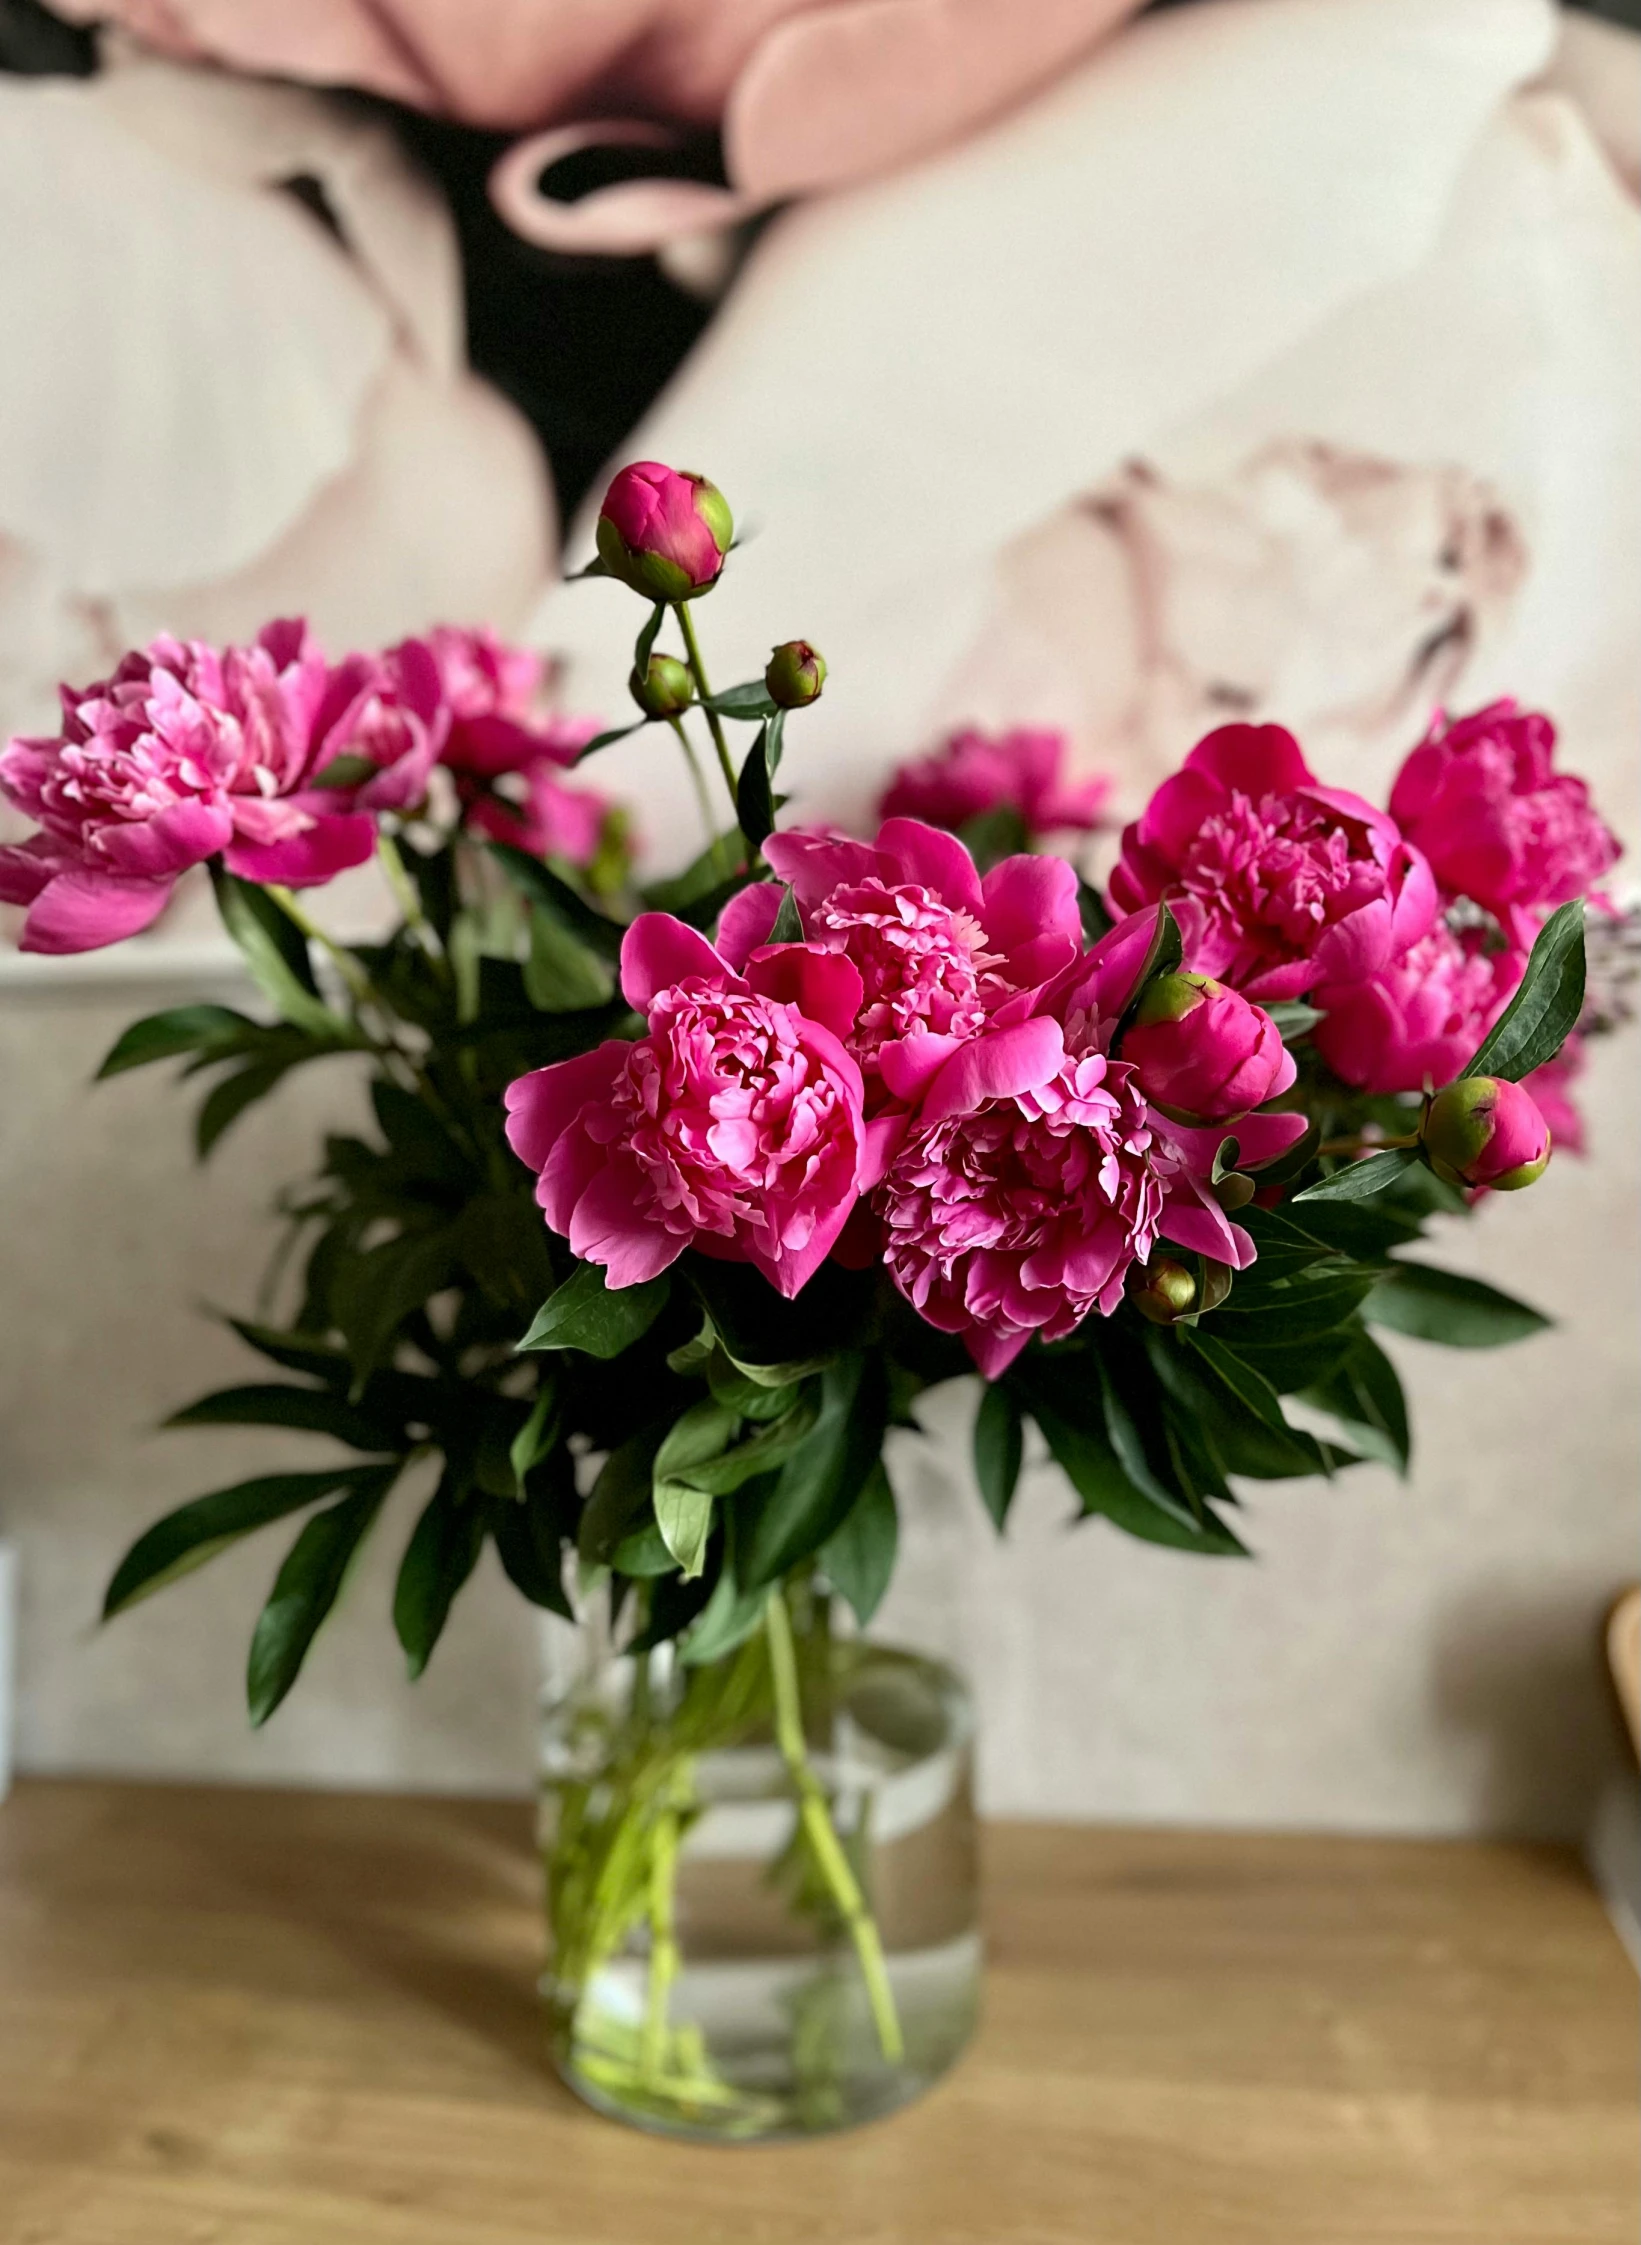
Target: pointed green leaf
{"points": [[312, 1410], [999, 1445], [727, 1621], [538, 1434], [442, 1552], [1437, 1305], [182, 1029], [788, 927], [819, 1483], [1163, 955], [1545, 1009], [1360, 1180], [562, 974], [859, 1558], [754, 793], [196, 1532], [684, 1516], [276, 953], [306, 1588], [752, 699], [585, 1314], [544, 888]]}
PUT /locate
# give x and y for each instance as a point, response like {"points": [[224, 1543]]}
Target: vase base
{"points": [[758, 2052]]}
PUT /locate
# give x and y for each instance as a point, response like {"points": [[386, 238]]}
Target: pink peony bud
{"points": [[663, 687], [795, 674], [1204, 1053], [1163, 1291], [663, 532], [1485, 1131]]}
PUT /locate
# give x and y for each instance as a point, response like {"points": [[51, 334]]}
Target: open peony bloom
{"points": [[1277, 882], [1204, 1052], [186, 753], [734, 1125], [1480, 798], [937, 948], [1419, 1019], [493, 694], [382, 728], [974, 773]]}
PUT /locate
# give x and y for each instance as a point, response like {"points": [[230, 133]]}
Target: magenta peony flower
{"points": [[493, 693], [1486, 1132], [1204, 1052], [734, 1125], [1277, 882], [186, 753], [938, 949], [663, 532], [974, 773], [551, 820], [1480, 799], [388, 717], [1419, 1019]]}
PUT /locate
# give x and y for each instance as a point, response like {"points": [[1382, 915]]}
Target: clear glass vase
{"points": [[761, 1876]]}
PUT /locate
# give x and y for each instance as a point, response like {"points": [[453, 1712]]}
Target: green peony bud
{"points": [[1172, 996], [1486, 1131], [795, 675], [663, 687], [1163, 1291]]}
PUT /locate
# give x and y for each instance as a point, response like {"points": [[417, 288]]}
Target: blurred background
{"points": [[1073, 364]]}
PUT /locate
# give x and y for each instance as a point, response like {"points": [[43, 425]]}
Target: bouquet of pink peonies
{"points": [[679, 1198]]}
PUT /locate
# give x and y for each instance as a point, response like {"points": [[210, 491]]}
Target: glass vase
{"points": [[760, 1875]]}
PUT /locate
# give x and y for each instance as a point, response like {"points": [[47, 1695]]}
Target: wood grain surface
{"points": [[234, 2018]]}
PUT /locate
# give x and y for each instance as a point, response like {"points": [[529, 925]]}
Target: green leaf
{"points": [[1299, 1308], [1437, 1305], [788, 926], [276, 952], [1360, 1180], [990, 836], [312, 1410], [1126, 1441], [1163, 955], [1091, 1466], [442, 1552], [562, 974], [544, 888], [1226, 1156], [754, 792], [859, 1557], [1548, 1001], [306, 1588], [701, 890], [1294, 1019], [195, 1532], [620, 1496], [295, 1352], [1364, 1399], [819, 1483], [1238, 1409], [752, 699], [585, 1314], [727, 1620], [530, 1536], [343, 771], [644, 644], [538, 1434], [1091, 908], [378, 1290], [684, 1516], [183, 1029], [702, 1432], [999, 1445], [770, 1446], [228, 1100], [752, 1398], [613, 734]]}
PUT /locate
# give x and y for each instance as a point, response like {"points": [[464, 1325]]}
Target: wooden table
{"points": [[235, 2018]]}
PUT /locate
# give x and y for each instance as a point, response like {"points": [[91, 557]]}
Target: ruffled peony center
{"points": [[1284, 865], [923, 965]]}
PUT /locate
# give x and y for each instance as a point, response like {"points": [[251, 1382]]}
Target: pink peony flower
{"points": [[186, 753], [551, 820], [664, 532], [1480, 798], [1419, 1019], [1487, 1133], [493, 693], [973, 774], [1204, 1052], [938, 949], [734, 1124], [388, 717], [1277, 883]]}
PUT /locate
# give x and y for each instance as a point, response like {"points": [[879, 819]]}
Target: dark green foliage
{"points": [[1548, 1000], [998, 1447]]}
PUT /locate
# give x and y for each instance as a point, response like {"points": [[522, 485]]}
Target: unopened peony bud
{"points": [[664, 533], [1204, 1053], [795, 675], [663, 687], [1163, 1291], [1485, 1130]]}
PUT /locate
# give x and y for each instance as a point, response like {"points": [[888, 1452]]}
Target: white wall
{"points": [[1408, 1658]]}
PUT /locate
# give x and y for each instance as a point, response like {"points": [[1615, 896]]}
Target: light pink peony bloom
{"points": [[1498, 824], [551, 820], [1277, 882], [493, 693], [387, 715], [1204, 1052], [1034, 1174], [938, 949], [186, 753], [1419, 1019], [974, 773], [734, 1125]]}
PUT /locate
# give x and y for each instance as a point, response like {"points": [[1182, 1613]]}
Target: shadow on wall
{"points": [[1522, 1675]]}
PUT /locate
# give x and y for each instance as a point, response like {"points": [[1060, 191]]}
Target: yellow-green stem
{"points": [[698, 780], [407, 896], [692, 650], [818, 1829], [663, 1969], [352, 973]]}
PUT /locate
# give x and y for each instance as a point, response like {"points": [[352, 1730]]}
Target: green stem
{"points": [[819, 1831], [352, 973], [698, 779], [408, 898], [1343, 1146], [692, 650], [663, 1969]]}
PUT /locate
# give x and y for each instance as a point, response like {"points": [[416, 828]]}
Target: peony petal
{"points": [[908, 1065], [1256, 760], [823, 985], [658, 951], [881, 1141], [1026, 898], [994, 1352], [1260, 1139], [935, 860], [543, 1104], [747, 921], [998, 1066], [25, 868], [1172, 819], [816, 864], [790, 1272], [160, 847], [330, 846], [79, 910], [608, 1229], [1191, 1219]]}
